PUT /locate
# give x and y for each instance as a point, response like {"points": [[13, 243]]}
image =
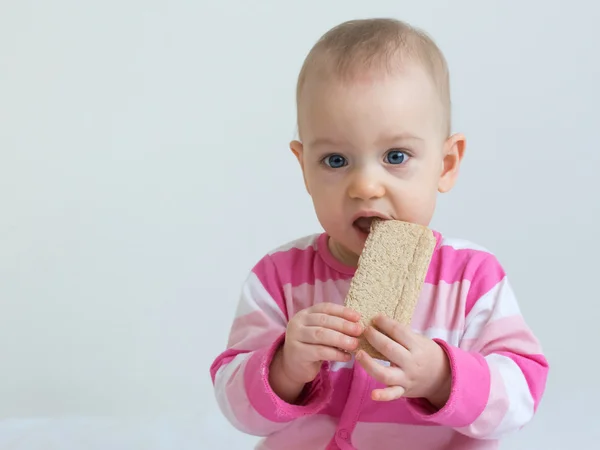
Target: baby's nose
{"points": [[366, 186]]}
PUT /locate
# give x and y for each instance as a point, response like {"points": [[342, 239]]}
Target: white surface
{"points": [[109, 433], [139, 145]]}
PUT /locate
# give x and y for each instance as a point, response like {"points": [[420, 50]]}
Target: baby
{"points": [[373, 104]]}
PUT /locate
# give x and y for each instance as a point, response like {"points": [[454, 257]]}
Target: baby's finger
{"points": [[396, 331], [329, 338], [334, 323], [390, 376], [325, 353], [391, 349], [387, 394], [333, 309]]}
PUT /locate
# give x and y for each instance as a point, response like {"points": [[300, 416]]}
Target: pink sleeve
{"points": [[240, 374], [498, 371]]}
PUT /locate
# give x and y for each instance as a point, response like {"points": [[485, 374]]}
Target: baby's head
{"points": [[373, 102]]}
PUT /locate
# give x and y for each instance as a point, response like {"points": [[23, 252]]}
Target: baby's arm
{"points": [[241, 374], [498, 371]]}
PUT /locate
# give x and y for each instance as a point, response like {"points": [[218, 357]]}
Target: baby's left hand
{"points": [[419, 367]]}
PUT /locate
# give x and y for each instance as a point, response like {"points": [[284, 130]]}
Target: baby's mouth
{"points": [[363, 224]]}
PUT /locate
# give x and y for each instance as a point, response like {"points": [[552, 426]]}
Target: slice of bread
{"points": [[390, 274]]}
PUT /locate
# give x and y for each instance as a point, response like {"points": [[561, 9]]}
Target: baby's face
{"points": [[375, 146]]}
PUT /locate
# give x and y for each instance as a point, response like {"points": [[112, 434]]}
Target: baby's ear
{"points": [[454, 149], [298, 151]]}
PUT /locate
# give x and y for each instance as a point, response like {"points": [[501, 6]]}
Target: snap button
{"points": [[343, 434]]}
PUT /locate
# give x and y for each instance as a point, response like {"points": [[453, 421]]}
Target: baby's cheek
{"points": [[417, 206], [327, 213]]}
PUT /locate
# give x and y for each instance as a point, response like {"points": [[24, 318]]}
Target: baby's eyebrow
{"points": [[324, 142], [400, 137], [387, 140]]}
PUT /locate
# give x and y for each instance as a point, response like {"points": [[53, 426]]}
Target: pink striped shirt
{"points": [[466, 305]]}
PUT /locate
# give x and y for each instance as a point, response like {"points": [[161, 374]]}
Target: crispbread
{"points": [[390, 274]]}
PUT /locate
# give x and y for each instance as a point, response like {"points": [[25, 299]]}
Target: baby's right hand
{"points": [[316, 334]]}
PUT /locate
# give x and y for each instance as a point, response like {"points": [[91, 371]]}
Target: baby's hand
{"points": [[323, 332], [419, 366]]}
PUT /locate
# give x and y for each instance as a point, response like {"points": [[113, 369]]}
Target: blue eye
{"points": [[335, 161], [396, 157]]}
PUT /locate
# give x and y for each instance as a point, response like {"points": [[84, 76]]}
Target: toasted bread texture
{"points": [[390, 274]]}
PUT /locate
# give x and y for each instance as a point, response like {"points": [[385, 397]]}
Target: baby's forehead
{"points": [[408, 85], [369, 106], [324, 78]]}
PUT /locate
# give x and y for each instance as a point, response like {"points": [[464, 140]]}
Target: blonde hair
{"points": [[356, 46]]}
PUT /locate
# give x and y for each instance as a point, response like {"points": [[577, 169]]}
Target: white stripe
{"points": [[255, 424], [521, 403], [500, 302], [301, 244], [255, 297], [336, 365], [222, 378], [452, 337]]}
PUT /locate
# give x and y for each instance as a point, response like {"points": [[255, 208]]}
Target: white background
{"points": [[144, 169]]}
